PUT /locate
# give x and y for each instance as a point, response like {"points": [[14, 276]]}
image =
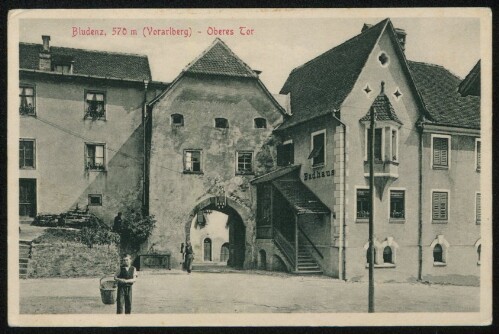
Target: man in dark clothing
{"points": [[117, 223], [189, 256], [125, 277]]}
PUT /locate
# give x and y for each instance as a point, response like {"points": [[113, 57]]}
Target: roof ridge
{"points": [[91, 50], [339, 45], [219, 41]]}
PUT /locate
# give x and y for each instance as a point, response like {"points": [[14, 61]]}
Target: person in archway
{"points": [[189, 256]]}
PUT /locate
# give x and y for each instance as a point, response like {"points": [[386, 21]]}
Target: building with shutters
{"points": [[81, 136], [313, 210]]}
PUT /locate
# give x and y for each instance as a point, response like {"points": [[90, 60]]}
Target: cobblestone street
{"points": [[243, 292]]}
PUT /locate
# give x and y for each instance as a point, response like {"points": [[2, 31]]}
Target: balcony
{"points": [[388, 169]]}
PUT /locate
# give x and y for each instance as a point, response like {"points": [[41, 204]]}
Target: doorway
{"points": [[27, 198], [207, 250]]}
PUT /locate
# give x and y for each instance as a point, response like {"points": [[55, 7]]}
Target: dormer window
{"points": [[63, 68], [260, 123], [95, 105], [221, 123], [177, 120]]}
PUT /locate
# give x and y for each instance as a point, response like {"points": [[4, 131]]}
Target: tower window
{"points": [[260, 123], [177, 120], [221, 123]]}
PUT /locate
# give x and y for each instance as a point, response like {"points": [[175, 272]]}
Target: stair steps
{"points": [[24, 258]]}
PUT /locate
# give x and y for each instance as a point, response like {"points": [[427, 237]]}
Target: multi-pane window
{"points": [[478, 208], [26, 100], [95, 157], [438, 254], [440, 206], [192, 161], [95, 105], [62, 68], [177, 120], [260, 123], [26, 153], [244, 162], [378, 136], [441, 152], [95, 200], [285, 154], [397, 204], [394, 145], [478, 149], [222, 123], [363, 203], [318, 149]]}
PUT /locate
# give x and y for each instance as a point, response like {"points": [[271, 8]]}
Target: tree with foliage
{"points": [[136, 228]]}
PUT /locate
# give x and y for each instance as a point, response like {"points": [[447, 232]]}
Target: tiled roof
{"points": [[218, 59], [322, 84], [90, 62], [301, 199], [275, 174], [384, 110], [439, 89]]}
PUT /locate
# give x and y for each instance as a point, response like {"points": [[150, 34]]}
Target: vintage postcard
{"points": [[250, 167]]}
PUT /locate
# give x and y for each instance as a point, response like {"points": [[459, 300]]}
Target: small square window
{"points": [[177, 120], [397, 204], [26, 153], [244, 162], [363, 204], [95, 105], [260, 123], [192, 161], [221, 123], [95, 157], [26, 100], [95, 200]]}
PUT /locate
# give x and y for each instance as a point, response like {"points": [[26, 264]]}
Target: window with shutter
{"points": [[440, 206], [440, 152]]}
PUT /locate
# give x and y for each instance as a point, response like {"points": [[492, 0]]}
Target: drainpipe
{"points": [[342, 248], [420, 204], [145, 208]]}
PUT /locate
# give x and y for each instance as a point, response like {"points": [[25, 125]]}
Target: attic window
{"points": [[383, 59], [62, 68], [221, 123], [260, 123], [177, 120]]}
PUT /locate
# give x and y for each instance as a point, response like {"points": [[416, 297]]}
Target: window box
{"points": [[95, 157], [95, 105], [26, 100], [439, 264]]}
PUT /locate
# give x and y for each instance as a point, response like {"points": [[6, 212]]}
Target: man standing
{"points": [[125, 277], [189, 256], [118, 223]]}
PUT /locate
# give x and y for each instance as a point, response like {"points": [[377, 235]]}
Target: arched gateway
{"points": [[235, 225]]}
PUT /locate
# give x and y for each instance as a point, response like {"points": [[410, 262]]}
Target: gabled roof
{"points": [[89, 62], [439, 90], [322, 84], [218, 59], [471, 84], [384, 109]]}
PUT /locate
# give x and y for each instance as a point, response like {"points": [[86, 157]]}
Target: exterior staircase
{"points": [[306, 263], [24, 258]]}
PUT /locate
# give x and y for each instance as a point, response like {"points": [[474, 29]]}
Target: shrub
{"points": [[57, 235], [136, 229], [98, 235]]}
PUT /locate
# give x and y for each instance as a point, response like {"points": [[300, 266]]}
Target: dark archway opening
{"points": [[233, 252]]}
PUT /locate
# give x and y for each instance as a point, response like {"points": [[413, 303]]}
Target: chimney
{"points": [[45, 61], [401, 35]]}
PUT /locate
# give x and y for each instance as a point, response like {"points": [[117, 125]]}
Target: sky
{"points": [[275, 46]]}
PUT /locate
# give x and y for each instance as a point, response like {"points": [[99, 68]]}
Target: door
{"points": [[207, 249], [27, 197], [224, 252]]}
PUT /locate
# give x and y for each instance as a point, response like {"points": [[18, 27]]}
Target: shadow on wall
{"points": [[121, 184]]}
